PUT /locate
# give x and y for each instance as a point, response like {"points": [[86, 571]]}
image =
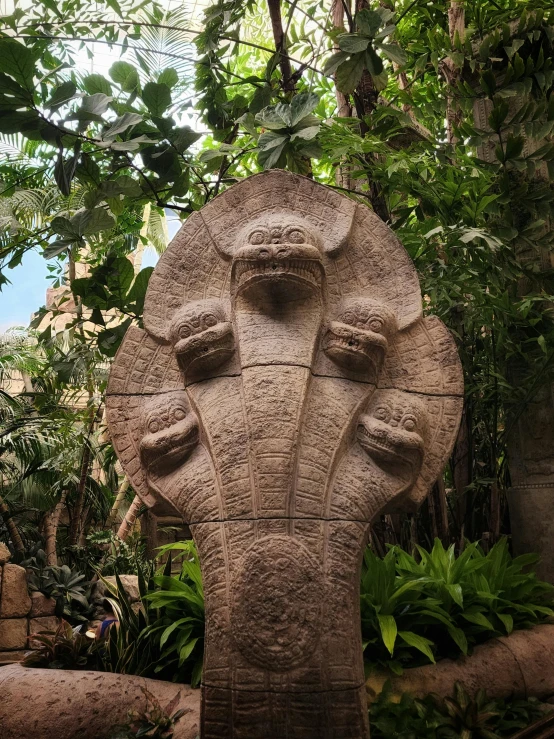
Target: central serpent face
{"points": [[276, 258], [393, 432], [170, 433]]}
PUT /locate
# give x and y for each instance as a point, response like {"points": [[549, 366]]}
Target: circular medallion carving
{"points": [[277, 598]]}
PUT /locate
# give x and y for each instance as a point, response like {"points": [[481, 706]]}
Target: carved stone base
{"points": [[245, 714]]}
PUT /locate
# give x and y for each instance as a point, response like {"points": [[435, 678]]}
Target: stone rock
{"points": [[14, 600], [67, 704], [286, 390], [43, 623], [10, 657], [41, 605], [129, 583], [13, 633], [5, 554], [520, 665], [100, 591]]}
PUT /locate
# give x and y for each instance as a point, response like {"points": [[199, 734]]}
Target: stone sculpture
{"points": [[286, 389]]}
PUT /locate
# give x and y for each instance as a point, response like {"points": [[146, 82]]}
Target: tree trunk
{"points": [[15, 536], [453, 73], [120, 497], [130, 517], [51, 522], [279, 37]]}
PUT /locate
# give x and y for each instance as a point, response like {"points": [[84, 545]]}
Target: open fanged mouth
{"points": [[275, 265], [210, 348], [164, 450], [355, 349], [395, 447]]}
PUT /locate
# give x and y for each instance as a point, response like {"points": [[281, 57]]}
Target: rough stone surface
{"points": [[16, 656], [67, 704], [5, 554], [285, 391], [14, 600], [13, 633], [519, 665], [41, 605], [43, 623]]}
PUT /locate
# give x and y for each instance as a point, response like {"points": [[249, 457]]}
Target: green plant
{"points": [[154, 722], [456, 717], [67, 586], [165, 638], [105, 554], [442, 605], [66, 648]]}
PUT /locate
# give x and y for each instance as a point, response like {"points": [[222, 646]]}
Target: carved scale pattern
{"points": [[286, 391]]}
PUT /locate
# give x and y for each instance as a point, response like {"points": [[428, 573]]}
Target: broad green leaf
{"points": [[302, 105], [98, 219], [269, 157], [95, 83], [156, 97], [334, 62], [395, 53], [271, 117], [389, 630], [168, 77], [418, 642], [182, 138], [368, 22], [459, 637], [305, 133], [479, 619], [121, 124], [18, 61], [271, 139], [350, 72], [373, 62], [125, 75], [507, 620], [96, 104], [62, 95], [352, 43]]}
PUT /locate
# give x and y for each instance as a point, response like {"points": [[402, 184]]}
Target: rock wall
{"points": [[21, 615]]}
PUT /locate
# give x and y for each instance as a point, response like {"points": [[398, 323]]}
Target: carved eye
{"points": [[210, 320], [184, 331], [154, 426], [295, 236], [179, 414], [375, 324], [409, 423], [349, 318], [258, 237], [382, 413]]}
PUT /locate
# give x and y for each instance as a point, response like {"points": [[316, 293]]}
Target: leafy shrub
{"points": [[458, 717], [418, 611], [67, 586], [165, 638], [154, 722], [106, 554], [66, 648]]}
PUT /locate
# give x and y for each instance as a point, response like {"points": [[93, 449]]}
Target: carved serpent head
{"points": [[393, 433], [358, 338], [201, 335], [275, 255], [170, 432]]}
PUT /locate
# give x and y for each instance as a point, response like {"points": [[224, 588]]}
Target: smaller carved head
{"points": [[359, 337], [170, 432], [277, 251], [393, 433], [201, 335]]}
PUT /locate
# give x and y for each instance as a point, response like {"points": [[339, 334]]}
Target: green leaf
{"points": [[479, 619], [95, 83], [305, 133], [125, 75], [98, 219], [269, 157], [459, 638], [395, 53], [389, 630], [17, 61], [350, 72], [420, 643], [96, 104], [352, 43], [182, 138], [373, 62], [156, 97], [271, 139], [272, 117], [507, 620], [260, 99], [137, 293], [168, 77], [302, 105], [62, 95], [121, 124], [368, 22], [334, 62]]}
